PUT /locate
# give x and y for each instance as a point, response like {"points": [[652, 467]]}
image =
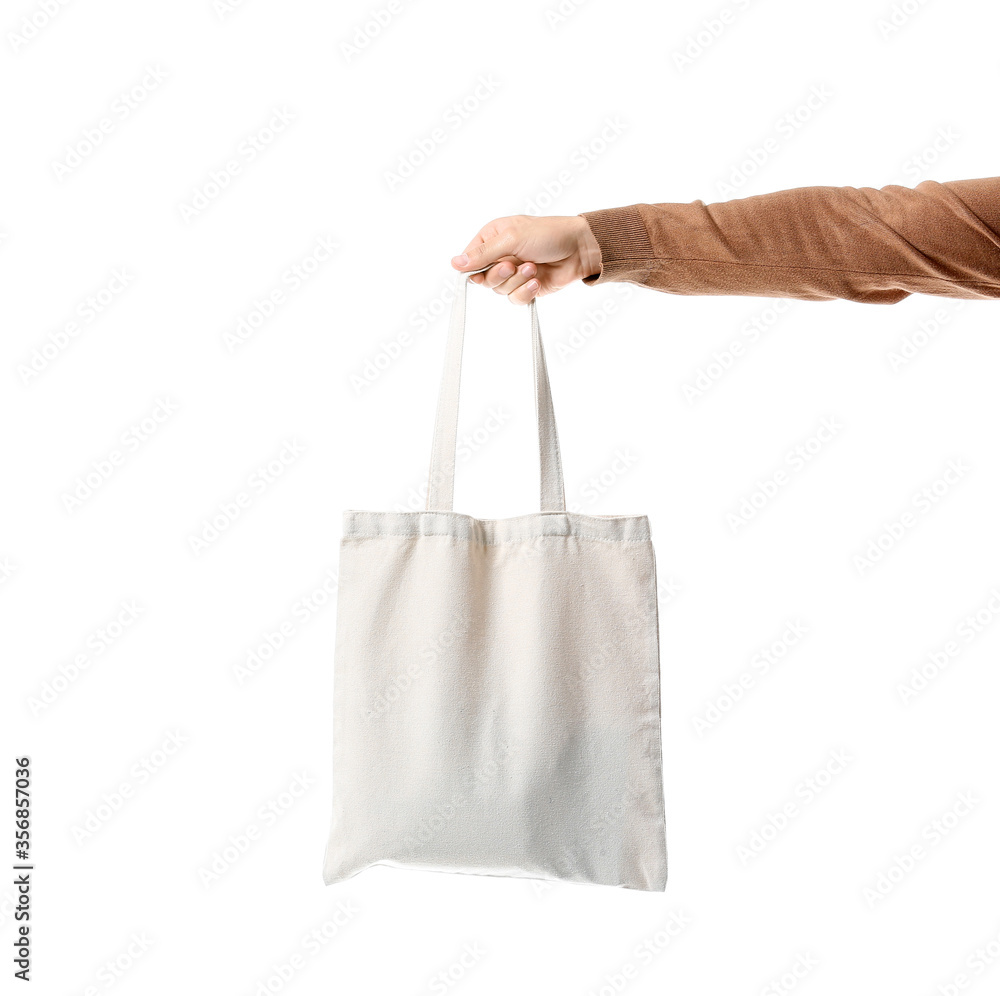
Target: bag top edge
{"points": [[358, 523], [510, 518]]}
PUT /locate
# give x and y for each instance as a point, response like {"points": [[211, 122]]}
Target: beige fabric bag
{"points": [[496, 681]]}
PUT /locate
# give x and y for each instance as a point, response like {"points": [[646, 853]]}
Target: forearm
{"points": [[813, 243]]}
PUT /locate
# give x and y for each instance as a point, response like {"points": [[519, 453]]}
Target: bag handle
{"points": [[441, 481]]}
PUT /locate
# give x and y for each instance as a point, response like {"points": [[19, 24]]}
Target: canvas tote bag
{"points": [[496, 681]]}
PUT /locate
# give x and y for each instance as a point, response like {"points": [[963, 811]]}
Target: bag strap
{"points": [[441, 481]]}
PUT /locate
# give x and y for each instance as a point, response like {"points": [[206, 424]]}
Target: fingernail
{"points": [[462, 260], [531, 285]]}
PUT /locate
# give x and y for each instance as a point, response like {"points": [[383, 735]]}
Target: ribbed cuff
{"points": [[626, 252]]}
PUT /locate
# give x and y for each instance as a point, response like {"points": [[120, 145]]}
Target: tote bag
{"points": [[496, 691]]}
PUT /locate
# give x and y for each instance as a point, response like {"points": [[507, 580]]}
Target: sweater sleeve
{"points": [[814, 243]]}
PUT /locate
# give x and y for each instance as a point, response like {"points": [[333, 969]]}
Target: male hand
{"points": [[531, 256]]}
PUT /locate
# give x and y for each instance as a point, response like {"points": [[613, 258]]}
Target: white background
{"points": [[598, 95]]}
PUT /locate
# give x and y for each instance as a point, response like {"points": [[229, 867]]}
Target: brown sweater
{"points": [[813, 243]]}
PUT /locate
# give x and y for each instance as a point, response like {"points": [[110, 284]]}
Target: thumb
{"points": [[484, 252]]}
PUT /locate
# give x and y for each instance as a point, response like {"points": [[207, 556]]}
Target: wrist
{"points": [[588, 251]]}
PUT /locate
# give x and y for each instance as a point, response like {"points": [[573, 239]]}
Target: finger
{"points": [[489, 246], [526, 293], [501, 271], [496, 273], [517, 279]]}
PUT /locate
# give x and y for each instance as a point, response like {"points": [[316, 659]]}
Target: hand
{"points": [[532, 256]]}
